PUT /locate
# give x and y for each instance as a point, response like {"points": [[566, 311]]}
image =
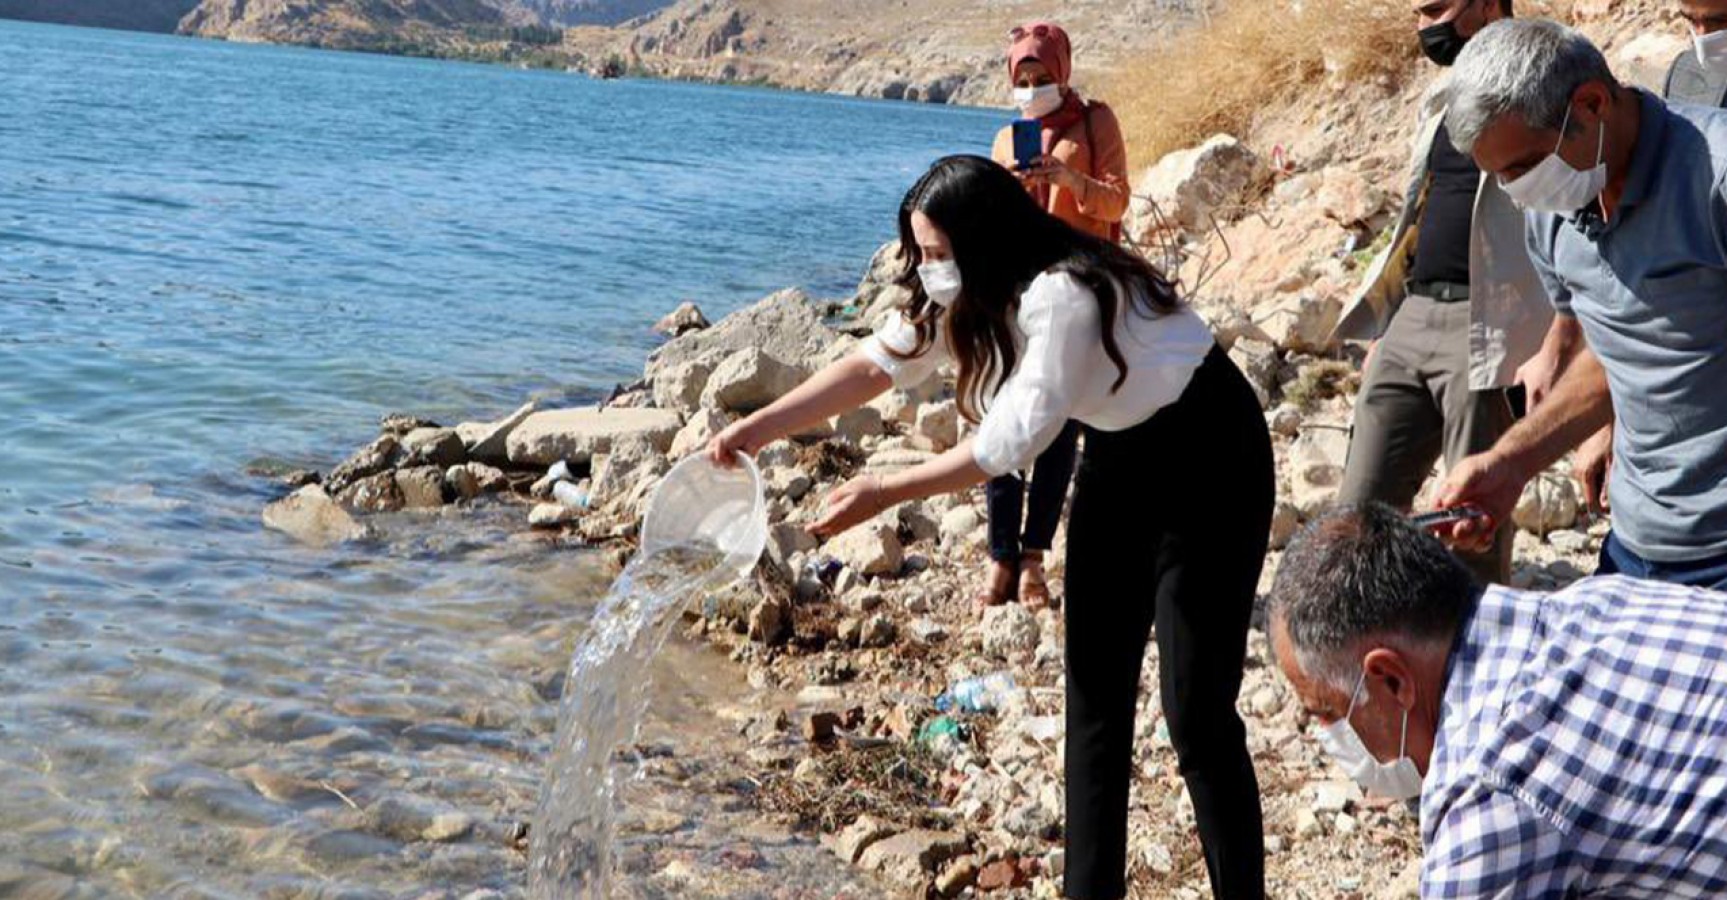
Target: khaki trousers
{"points": [[1415, 404]]}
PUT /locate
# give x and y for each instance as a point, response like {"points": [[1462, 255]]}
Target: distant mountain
{"points": [[358, 24], [587, 12], [132, 15]]}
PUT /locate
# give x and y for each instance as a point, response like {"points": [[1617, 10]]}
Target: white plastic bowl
{"points": [[699, 504]]}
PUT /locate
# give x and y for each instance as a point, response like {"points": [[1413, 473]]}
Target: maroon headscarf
{"points": [[1047, 43]]}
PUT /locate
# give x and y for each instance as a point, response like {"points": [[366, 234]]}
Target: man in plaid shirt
{"points": [[1571, 744]]}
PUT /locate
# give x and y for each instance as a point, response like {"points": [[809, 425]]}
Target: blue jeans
{"points": [[1617, 559]]}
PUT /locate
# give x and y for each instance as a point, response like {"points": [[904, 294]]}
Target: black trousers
{"points": [[1169, 526], [1019, 524]]}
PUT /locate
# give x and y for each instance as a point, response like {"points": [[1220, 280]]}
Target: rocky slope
{"points": [[341, 23]]}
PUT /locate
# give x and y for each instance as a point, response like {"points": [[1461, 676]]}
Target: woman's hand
{"points": [[857, 501], [1051, 170], [738, 437]]}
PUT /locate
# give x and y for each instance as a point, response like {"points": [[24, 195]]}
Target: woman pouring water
{"points": [[1046, 324], [1080, 177]]}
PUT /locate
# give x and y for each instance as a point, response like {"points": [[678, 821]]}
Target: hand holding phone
{"points": [[1442, 517], [1027, 143]]}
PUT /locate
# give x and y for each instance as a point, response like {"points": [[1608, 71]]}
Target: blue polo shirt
{"points": [[1649, 287]]}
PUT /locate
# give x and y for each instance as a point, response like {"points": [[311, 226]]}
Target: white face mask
{"points": [[1037, 102], [1711, 51], [1397, 780], [1554, 186], [941, 282]]}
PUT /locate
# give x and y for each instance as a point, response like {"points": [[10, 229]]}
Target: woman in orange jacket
{"points": [[1081, 179]]}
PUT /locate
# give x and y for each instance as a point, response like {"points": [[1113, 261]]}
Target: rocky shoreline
{"points": [[868, 634]]}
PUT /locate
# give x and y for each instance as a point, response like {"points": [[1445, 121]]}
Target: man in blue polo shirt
{"points": [[1628, 230]]}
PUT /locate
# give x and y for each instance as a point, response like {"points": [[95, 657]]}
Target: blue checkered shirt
{"points": [[1582, 748]]}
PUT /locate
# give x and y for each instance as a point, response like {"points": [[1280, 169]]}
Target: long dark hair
{"points": [[1002, 240]]}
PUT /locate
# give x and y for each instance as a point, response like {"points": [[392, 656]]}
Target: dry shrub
{"points": [[1249, 56]]}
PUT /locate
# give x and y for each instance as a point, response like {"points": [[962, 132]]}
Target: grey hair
{"points": [[1530, 67], [1363, 572]]}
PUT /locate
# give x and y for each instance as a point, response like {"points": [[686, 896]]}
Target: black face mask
{"points": [[1442, 43]]}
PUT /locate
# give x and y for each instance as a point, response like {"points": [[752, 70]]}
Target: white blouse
{"points": [[1063, 372]]}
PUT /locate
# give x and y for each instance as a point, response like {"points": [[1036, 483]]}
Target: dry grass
{"points": [[1247, 57]]}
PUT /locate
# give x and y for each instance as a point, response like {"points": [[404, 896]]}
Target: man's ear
{"points": [[1390, 675], [1593, 98]]}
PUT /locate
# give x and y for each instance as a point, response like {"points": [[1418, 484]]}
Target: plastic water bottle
{"points": [[567, 493], [986, 693]]}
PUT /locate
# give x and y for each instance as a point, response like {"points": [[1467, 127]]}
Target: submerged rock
{"points": [[373, 494], [310, 515]]}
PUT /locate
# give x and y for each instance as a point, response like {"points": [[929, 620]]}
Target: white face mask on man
{"points": [[1554, 186], [1711, 51], [941, 281], [1397, 780], [1037, 102]]}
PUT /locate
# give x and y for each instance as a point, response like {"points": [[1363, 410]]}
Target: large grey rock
{"points": [[1549, 503], [440, 447], [749, 380], [310, 515], [698, 430], [680, 386], [1257, 360], [908, 857], [869, 549], [937, 426], [488, 442], [576, 435], [373, 494], [785, 326], [1316, 468], [1190, 190], [630, 461], [1301, 322]]}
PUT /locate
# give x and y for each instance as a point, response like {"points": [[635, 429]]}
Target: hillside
{"points": [[941, 51]]}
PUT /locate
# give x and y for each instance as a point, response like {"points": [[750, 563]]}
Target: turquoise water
{"points": [[212, 254]]}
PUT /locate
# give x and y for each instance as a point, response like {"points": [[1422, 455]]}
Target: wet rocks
{"points": [[376, 457], [421, 487], [576, 435], [441, 447], [373, 494], [411, 819], [309, 515]]}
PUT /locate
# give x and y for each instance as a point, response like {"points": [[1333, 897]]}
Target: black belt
{"points": [[1441, 291]]}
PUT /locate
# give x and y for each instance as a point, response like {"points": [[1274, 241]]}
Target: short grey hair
{"points": [[1530, 67], [1362, 573]]}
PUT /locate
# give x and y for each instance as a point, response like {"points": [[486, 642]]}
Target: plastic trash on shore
{"points": [[570, 494], [700, 505], [986, 693]]}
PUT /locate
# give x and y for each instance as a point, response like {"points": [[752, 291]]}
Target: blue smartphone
{"points": [[1027, 142]]}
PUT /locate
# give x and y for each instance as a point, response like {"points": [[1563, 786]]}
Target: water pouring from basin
{"points": [[705, 528]]}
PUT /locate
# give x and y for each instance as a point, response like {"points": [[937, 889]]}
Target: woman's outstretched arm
{"points": [[841, 387]]}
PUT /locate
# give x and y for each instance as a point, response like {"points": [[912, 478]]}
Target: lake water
{"points": [[213, 254]]}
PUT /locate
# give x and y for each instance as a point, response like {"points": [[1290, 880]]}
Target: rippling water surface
{"points": [[214, 254]]}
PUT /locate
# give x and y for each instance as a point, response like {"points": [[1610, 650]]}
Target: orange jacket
{"points": [[1101, 202]]}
